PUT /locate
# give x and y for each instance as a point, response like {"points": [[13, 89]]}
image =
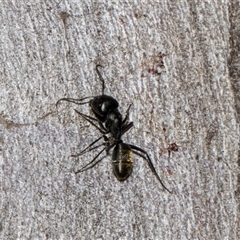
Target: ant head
{"points": [[101, 105]]}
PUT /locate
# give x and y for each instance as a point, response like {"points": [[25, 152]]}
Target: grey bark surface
{"points": [[177, 62]]}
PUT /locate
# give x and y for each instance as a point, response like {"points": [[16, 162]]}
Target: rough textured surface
{"points": [[176, 61]]}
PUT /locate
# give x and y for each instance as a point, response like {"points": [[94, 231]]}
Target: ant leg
{"points": [[101, 78], [126, 127], [86, 116], [148, 159], [72, 100], [88, 148], [90, 120], [84, 168], [127, 115], [94, 162], [102, 127]]}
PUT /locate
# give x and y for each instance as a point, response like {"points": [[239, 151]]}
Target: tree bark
{"points": [[176, 62]]}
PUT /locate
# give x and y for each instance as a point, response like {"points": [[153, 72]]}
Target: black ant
{"points": [[105, 109]]}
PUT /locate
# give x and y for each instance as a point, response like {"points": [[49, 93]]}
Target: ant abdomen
{"points": [[122, 161]]}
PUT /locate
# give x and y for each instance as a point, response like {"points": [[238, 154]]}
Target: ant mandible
{"points": [[109, 119]]}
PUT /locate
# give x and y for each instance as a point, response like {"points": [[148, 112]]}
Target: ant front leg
{"points": [[125, 125], [90, 120], [125, 120]]}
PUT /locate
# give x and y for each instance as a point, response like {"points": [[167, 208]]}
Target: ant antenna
{"points": [[101, 78]]}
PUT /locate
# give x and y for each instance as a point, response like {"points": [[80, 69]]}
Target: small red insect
{"points": [[171, 147]]}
